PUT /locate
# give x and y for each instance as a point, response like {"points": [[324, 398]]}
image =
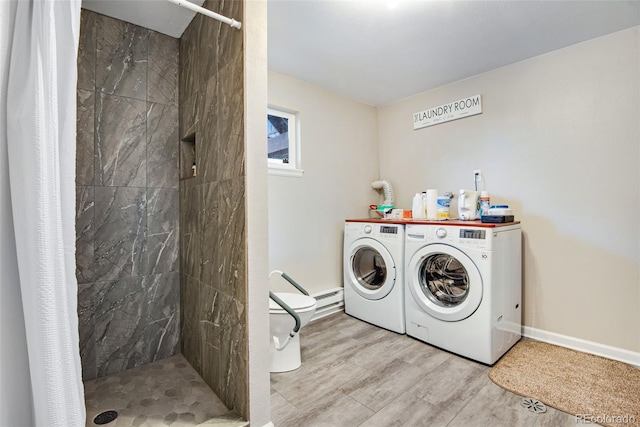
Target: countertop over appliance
{"points": [[444, 223]]}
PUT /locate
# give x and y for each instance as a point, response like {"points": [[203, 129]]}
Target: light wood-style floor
{"points": [[356, 374]]}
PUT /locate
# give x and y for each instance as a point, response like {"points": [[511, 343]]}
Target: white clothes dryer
{"points": [[373, 280], [464, 288]]}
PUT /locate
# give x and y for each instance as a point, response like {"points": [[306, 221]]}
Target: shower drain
{"points": [[533, 405], [105, 417]]}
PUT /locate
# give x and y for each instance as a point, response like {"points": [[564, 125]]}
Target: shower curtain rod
{"points": [[188, 5]]}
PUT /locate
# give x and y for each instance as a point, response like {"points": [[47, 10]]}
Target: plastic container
{"points": [[444, 207], [417, 207], [499, 210], [485, 202], [424, 204], [432, 204], [385, 209]]}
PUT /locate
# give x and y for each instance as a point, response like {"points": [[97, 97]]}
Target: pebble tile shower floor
{"points": [[168, 392]]}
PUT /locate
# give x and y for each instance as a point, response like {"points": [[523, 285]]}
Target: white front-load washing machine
{"points": [[373, 280], [463, 287]]}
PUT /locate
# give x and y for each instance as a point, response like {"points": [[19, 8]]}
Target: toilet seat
{"points": [[298, 302]]}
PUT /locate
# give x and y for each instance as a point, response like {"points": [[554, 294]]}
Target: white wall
{"points": [[559, 142], [338, 138], [15, 390], [255, 73]]}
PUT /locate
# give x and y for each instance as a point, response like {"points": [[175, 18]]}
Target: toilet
{"points": [[281, 324]]}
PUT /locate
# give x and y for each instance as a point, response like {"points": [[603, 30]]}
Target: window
{"points": [[282, 138]]}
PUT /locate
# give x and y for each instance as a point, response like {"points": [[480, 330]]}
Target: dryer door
{"points": [[370, 268], [444, 282]]}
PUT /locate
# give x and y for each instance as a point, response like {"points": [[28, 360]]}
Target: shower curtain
{"points": [[40, 73]]}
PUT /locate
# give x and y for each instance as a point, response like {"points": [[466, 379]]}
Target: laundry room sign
{"points": [[445, 113]]}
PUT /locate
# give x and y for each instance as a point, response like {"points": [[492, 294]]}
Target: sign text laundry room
{"points": [[444, 113]]}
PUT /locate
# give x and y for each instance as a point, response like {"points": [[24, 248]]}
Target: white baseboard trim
{"points": [[329, 301], [615, 353], [327, 312], [269, 424]]}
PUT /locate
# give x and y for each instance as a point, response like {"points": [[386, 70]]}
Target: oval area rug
{"points": [[593, 388]]}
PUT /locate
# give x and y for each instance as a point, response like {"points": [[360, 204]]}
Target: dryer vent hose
{"points": [[388, 191]]}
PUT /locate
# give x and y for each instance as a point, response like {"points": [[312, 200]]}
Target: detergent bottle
{"points": [[417, 207]]}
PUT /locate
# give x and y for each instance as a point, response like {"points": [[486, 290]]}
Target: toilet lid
{"points": [[295, 301]]}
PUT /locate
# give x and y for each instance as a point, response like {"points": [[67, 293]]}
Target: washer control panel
{"points": [[474, 238], [469, 237], [472, 233]]}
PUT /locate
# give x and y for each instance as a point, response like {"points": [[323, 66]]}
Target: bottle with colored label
{"points": [[485, 203], [424, 204], [444, 204]]}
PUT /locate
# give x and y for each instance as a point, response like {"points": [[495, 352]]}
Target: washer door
{"points": [[444, 282], [371, 269]]}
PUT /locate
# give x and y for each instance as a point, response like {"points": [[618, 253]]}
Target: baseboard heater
{"points": [[329, 301]]}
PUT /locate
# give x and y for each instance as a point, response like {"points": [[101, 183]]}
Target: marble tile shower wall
{"points": [[213, 233], [127, 225]]}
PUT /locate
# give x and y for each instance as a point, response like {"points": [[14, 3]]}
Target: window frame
{"points": [[276, 166]]}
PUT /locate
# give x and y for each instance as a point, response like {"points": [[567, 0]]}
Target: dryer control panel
{"points": [[389, 229], [381, 232]]}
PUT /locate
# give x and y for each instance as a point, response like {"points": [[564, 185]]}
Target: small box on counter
{"points": [[394, 214], [497, 219]]}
